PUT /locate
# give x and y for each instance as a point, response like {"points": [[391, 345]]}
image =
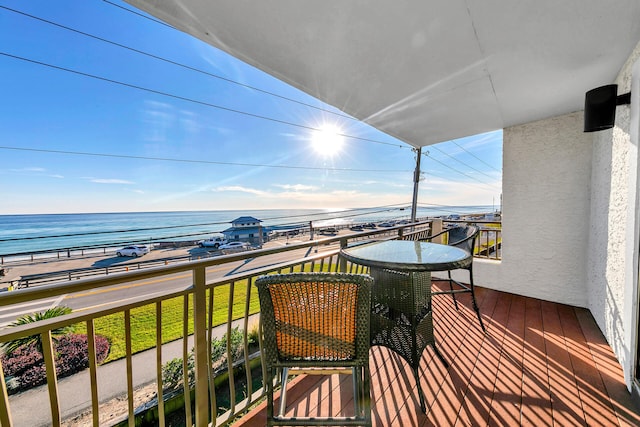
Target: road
{"points": [[98, 297]]}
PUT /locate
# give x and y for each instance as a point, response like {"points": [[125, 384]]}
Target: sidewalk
{"points": [[32, 409]]}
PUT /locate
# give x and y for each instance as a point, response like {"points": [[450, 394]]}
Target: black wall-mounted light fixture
{"points": [[600, 107]]}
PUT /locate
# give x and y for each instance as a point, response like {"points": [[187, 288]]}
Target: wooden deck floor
{"points": [[540, 363]]}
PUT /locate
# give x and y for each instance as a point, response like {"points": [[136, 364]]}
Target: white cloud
{"points": [[110, 181], [38, 171], [296, 187], [304, 195], [28, 170], [238, 188]]}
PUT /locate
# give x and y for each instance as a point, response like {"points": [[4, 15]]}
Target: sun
{"points": [[327, 140]]}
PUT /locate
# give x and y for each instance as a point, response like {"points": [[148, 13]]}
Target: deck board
{"points": [[540, 363]]}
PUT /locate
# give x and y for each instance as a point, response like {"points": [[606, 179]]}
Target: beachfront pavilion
{"points": [[428, 71]]}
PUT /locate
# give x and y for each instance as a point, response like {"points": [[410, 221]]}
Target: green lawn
{"points": [[143, 319]]}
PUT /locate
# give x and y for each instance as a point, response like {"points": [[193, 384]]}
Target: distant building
{"points": [[246, 229]]}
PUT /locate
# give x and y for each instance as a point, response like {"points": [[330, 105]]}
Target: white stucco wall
{"points": [[613, 258], [546, 202], [571, 217]]}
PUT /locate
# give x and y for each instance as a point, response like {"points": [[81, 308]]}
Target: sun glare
{"points": [[327, 140]]}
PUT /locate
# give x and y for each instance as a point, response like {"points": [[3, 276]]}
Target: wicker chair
{"points": [[316, 323], [463, 237]]}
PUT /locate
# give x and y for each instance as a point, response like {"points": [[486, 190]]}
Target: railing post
{"points": [[5, 413], [200, 346], [52, 379], [436, 227], [342, 262]]}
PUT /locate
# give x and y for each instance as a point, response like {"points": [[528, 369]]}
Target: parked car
{"points": [[214, 242], [329, 231], [133, 250], [234, 245], [356, 228]]}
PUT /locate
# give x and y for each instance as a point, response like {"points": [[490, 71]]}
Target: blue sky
{"points": [[88, 126]]}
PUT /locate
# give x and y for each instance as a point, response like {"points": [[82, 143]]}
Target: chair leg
{"points": [[473, 299], [283, 392], [357, 392], [269, 384], [366, 395], [455, 302]]}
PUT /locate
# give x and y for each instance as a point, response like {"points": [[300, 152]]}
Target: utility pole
{"points": [[416, 180]]}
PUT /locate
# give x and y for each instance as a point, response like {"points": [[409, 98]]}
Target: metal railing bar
{"points": [[185, 362], [7, 334], [245, 336], [200, 347], [92, 283], [231, 382], [93, 373], [160, 395], [51, 290], [5, 413], [129, 352], [279, 268], [52, 379], [202, 317], [263, 366], [212, 396]]}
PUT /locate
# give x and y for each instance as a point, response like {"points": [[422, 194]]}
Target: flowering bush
{"points": [[24, 367]]}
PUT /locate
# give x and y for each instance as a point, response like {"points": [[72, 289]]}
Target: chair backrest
{"points": [[315, 316], [463, 237]]}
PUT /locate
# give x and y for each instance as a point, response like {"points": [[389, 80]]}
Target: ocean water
{"points": [[34, 233]]}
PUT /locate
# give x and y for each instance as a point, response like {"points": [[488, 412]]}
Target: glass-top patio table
{"points": [[401, 316]]}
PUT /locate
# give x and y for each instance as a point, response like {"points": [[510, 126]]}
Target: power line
{"points": [[238, 83], [214, 75], [438, 206], [169, 61], [457, 171], [474, 184], [461, 162], [139, 14], [183, 98], [204, 103], [209, 162], [251, 87], [478, 158]]}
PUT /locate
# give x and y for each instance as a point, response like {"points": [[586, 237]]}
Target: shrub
{"points": [[172, 370], [24, 367], [13, 345]]}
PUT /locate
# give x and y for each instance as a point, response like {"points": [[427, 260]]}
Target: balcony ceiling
{"points": [[424, 71]]}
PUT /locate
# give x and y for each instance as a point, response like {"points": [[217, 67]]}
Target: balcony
{"points": [[539, 363]]}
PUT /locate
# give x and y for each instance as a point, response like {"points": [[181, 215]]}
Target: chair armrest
{"points": [[428, 238]]}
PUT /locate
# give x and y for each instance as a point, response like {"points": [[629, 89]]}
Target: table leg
{"points": [[401, 317]]}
